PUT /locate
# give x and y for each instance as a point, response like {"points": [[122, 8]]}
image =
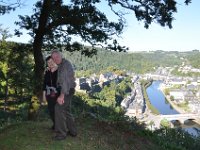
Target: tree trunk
{"points": [[6, 95], [37, 52]]}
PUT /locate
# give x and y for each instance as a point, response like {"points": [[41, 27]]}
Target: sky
{"points": [[184, 36]]}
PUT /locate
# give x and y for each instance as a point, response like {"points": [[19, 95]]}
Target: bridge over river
{"points": [[174, 117], [181, 117], [158, 100]]}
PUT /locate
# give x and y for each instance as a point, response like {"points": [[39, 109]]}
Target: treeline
{"points": [[140, 62], [16, 69], [16, 81], [194, 58], [137, 62]]}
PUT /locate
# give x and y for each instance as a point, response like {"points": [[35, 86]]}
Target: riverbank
{"points": [[145, 85], [165, 106], [178, 109]]}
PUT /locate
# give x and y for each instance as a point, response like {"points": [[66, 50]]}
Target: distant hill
{"points": [[138, 62]]}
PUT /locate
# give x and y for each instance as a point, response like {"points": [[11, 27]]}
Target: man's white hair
{"points": [[57, 52]]}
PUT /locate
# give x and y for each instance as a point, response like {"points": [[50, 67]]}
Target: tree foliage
{"points": [[16, 67], [194, 59], [164, 123], [6, 6], [112, 94]]}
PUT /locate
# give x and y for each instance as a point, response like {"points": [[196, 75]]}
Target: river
{"points": [[158, 100]]}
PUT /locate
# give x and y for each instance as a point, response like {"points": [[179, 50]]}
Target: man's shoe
{"points": [[70, 134], [59, 138]]}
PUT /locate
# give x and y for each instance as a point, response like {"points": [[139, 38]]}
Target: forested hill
{"points": [[138, 62]]}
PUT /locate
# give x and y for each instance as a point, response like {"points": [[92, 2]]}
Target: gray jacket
{"points": [[66, 77]]}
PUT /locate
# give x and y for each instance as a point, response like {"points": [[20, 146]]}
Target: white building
{"points": [[177, 94]]}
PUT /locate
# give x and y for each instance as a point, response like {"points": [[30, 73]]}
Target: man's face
{"points": [[56, 58]]}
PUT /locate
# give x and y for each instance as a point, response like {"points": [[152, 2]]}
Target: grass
{"points": [[93, 135], [184, 106]]}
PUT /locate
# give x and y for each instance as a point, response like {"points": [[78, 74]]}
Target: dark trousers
{"points": [[64, 120], [51, 101]]}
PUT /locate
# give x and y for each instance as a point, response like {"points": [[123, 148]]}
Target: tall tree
{"points": [[15, 68], [4, 75], [55, 22]]}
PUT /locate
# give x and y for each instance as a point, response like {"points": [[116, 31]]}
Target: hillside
{"points": [[92, 135], [99, 128], [138, 62]]}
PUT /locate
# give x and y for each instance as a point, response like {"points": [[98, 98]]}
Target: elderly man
{"points": [[66, 81]]}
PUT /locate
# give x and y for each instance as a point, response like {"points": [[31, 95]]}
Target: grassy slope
{"points": [[93, 135]]}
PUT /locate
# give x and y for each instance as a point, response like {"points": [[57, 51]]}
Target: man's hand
{"points": [[60, 99]]}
